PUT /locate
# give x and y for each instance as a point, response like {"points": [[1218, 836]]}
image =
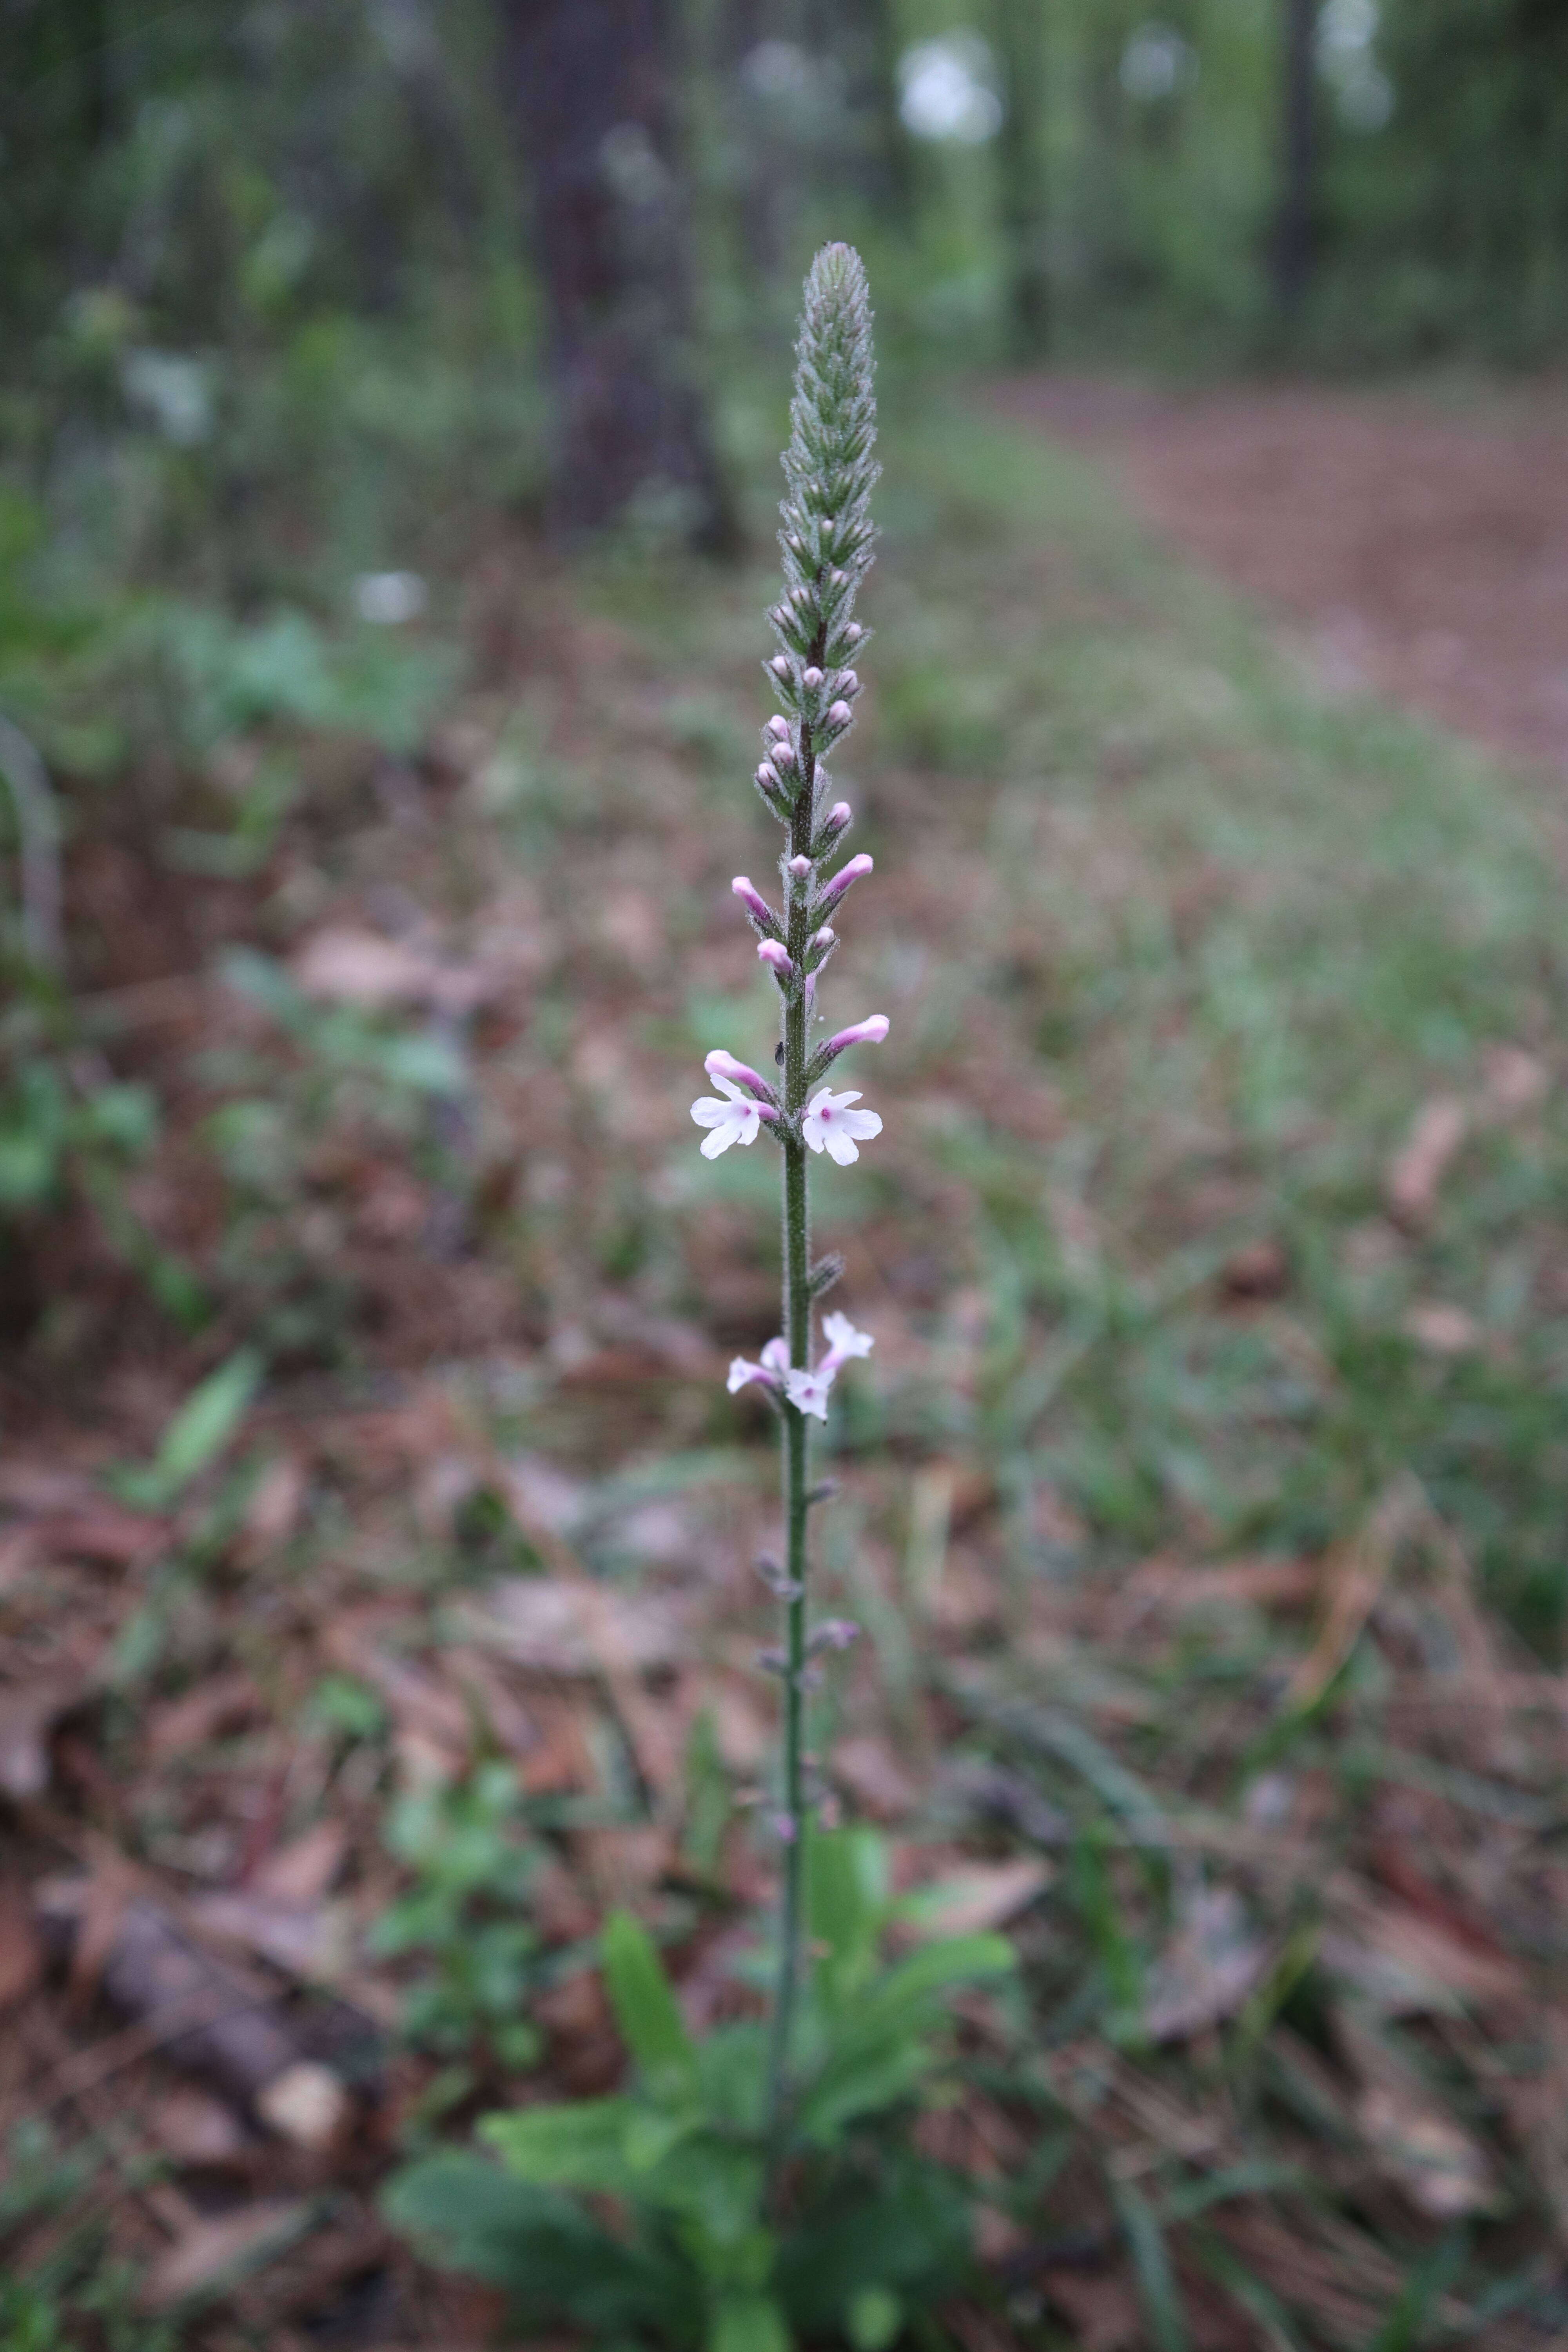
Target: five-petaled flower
{"points": [[831, 1124], [809, 1392], [735, 1120], [843, 1339]]}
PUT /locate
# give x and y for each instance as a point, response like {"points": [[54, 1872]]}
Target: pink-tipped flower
{"points": [[848, 683], [780, 666], [720, 1065], [833, 1633], [839, 715], [755, 905], [846, 877], [783, 755], [800, 867], [825, 938], [767, 778], [839, 818], [852, 633], [869, 1032], [775, 955], [811, 678], [768, 1374], [779, 725]]}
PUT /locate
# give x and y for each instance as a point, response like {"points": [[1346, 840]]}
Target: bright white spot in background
{"points": [[173, 391], [390, 598], [1363, 92], [945, 90], [1156, 63]]}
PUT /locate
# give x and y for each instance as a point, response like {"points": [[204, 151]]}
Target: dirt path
{"points": [[1421, 548]]}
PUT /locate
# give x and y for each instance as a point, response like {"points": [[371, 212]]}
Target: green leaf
{"points": [[646, 2010], [846, 1895], [580, 2144], [749, 2323], [933, 1969], [874, 2319], [202, 1427], [1157, 2287]]}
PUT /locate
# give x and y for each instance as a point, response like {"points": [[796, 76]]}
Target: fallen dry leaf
{"points": [[551, 1626], [1512, 1081], [352, 967], [311, 1942], [222, 1703], [1417, 1169], [867, 1767], [300, 1873], [192, 2127], [1441, 1329], [984, 1895], [214, 2252], [1207, 1969]]}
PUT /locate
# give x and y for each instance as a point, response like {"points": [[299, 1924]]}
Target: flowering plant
{"points": [[762, 2185]]}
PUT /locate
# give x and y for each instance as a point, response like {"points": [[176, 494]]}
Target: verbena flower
{"points": [[768, 1373], [735, 1120], [831, 1124]]}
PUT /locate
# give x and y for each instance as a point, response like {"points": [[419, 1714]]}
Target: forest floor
{"points": [[1202, 1499], [1416, 540]]}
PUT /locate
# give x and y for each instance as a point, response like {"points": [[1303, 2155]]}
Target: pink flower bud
{"points": [[778, 725], [767, 778], [783, 755], [848, 683], [835, 1634], [839, 816], [785, 1828], [800, 868], [830, 522], [839, 715], [780, 666], [869, 1032], [811, 678], [825, 938], [801, 599], [837, 577], [775, 955], [846, 875], [853, 632], [720, 1065], [751, 899]]}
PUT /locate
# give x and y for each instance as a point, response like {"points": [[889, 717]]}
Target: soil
{"points": [[1418, 544]]}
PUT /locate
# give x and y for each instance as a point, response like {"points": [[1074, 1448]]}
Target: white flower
{"points": [[844, 1341], [736, 1121], [770, 1371], [808, 1391], [831, 1125]]}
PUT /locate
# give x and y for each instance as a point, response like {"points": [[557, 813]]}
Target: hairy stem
{"points": [[798, 1331]]}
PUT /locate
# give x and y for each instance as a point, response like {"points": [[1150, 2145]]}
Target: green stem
{"points": [[797, 1332]]}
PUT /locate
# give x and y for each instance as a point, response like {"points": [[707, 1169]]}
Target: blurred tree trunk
{"points": [[1293, 234], [1019, 29], [590, 89]]}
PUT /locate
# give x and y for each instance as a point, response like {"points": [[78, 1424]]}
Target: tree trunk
{"points": [[590, 93], [1293, 236], [1020, 35]]}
